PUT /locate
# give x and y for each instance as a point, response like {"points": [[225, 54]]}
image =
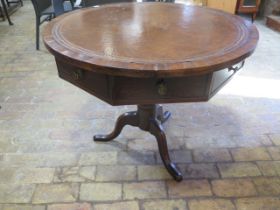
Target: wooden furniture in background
{"points": [[273, 20], [225, 5], [231, 6], [248, 7], [142, 54], [193, 2]]}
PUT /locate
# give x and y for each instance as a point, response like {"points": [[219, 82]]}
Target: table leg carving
{"points": [[128, 118], [156, 129], [148, 118]]}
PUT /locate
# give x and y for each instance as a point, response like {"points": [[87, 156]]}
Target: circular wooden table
{"points": [[148, 54]]}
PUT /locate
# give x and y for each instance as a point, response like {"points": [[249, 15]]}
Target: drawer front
{"points": [[153, 90], [94, 83]]}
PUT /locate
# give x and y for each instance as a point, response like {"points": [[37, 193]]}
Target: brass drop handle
{"points": [[78, 74], [161, 87], [236, 68]]}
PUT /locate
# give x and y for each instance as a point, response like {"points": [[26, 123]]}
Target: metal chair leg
{"points": [[6, 12], [37, 33]]}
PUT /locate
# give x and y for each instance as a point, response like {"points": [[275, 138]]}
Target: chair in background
{"points": [[8, 7], [44, 11], [9, 2], [62, 6], [4, 12], [248, 7], [88, 3]]}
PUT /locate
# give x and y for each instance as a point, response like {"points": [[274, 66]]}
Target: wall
{"points": [[267, 6]]}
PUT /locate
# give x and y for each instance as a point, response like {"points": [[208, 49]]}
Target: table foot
{"points": [[148, 118], [128, 118], [157, 130]]}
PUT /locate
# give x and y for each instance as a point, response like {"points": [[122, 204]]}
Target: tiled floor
{"points": [[228, 148]]}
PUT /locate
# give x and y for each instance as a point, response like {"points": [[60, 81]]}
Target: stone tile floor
{"points": [[228, 148]]}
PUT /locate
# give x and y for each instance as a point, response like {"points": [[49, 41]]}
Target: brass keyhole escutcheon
{"points": [[162, 87], [78, 74]]}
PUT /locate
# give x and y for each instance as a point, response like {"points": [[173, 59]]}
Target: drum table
{"points": [[148, 54]]}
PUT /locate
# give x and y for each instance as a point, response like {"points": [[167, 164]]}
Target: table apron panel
{"points": [[121, 90], [93, 83], [219, 79], [160, 90]]}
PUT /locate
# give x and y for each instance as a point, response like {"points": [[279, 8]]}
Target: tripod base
{"points": [[148, 118]]}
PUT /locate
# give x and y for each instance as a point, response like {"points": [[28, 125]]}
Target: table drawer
{"points": [[91, 82], [160, 90]]}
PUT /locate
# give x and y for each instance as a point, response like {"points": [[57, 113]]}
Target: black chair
{"points": [[88, 3], [9, 2], [45, 12], [4, 12], [62, 6]]}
